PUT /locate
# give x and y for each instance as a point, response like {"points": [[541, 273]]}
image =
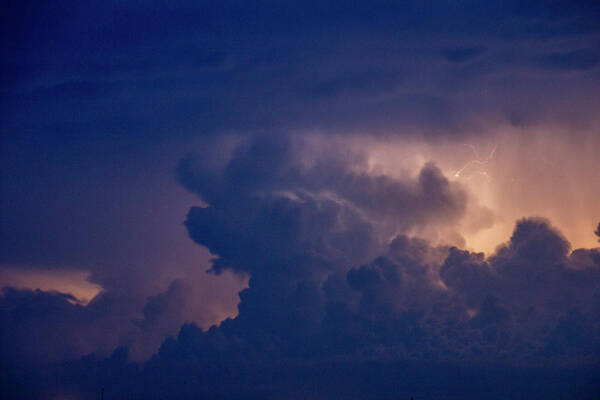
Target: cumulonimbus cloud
{"points": [[302, 233], [335, 276]]}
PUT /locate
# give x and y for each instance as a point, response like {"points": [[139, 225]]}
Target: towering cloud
{"points": [[328, 285], [348, 162], [334, 276], [283, 207]]}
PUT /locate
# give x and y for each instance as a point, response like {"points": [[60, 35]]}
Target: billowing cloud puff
{"points": [[304, 234], [416, 314], [278, 204], [337, 282]]}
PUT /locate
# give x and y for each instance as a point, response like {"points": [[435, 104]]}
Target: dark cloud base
{"points": [[332, 379]]}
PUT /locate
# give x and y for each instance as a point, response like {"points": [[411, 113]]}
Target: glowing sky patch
{"points": [[68, 281]]}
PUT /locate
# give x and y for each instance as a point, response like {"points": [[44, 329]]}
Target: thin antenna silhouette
{"points": [[102, 394]]}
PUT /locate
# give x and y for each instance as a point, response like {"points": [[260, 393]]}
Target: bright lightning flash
{"points": [[476, 161]]}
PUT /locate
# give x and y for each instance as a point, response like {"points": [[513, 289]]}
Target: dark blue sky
{"points": [[337, 167]]}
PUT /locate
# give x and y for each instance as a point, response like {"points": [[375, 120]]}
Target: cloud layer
{"points": [[348, 269], [334, 282]]}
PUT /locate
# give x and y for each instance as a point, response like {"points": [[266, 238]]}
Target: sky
{"points": [[265, 199]]}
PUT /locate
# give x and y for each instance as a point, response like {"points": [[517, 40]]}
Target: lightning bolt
{"points": [[476, 161]]}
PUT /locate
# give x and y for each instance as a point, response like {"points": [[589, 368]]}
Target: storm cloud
{"points": [[322, 265], [324, 163], [336, 283]]}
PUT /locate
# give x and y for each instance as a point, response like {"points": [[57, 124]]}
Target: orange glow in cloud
{"points": [[543, 173], [510, 173], [69, 281]]}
